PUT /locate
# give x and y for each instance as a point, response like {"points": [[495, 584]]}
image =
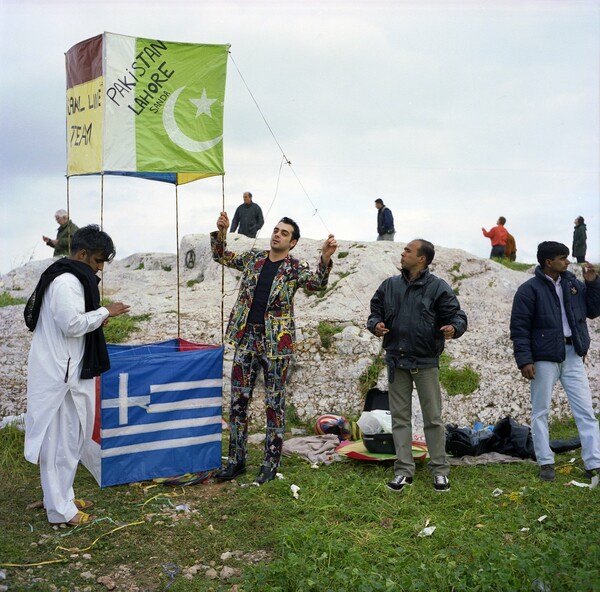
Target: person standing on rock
{"points": [[579, 240], [64, 235], [415, 312], [385, 222], [248, 217], [498, 236], [67, 352], [262, 329], [550, 337]]}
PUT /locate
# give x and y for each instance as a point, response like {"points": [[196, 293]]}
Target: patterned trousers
{"points": [[248, 358]]}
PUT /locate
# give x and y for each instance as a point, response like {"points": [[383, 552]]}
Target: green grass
{"points": [[369, 378], [513, 264], [7, 300], [326, 331], [345, 533], [457, 381], [119, 329]]}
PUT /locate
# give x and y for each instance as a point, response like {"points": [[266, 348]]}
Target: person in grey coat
{"points": [[248, 217]]}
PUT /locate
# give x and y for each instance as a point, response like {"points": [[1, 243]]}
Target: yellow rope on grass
{"points": [[78, 550]]}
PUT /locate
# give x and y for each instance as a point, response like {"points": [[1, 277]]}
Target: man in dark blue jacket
{"points": [[415, 312], [550, 337], [385, 222]]}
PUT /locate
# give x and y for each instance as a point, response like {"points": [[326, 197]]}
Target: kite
{"points": [[145, 107], [151, 109]]}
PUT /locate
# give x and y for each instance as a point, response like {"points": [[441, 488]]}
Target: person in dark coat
{"points": [[385, 222], [550, 339], [416, 312], [579, 240], [248, 217]]}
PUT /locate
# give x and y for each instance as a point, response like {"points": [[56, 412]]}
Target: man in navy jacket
{"points": [[550, 337]]}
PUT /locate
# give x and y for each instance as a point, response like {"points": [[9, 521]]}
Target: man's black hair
{"points": [[550, 250], [93, 240], [426, 249], [379, 201], [296, 231]]}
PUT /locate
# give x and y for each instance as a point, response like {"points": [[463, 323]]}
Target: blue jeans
{"points": [[573, 378]]}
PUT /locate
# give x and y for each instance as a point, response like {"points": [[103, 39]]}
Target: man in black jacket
{"points": [[248, 217], [415, 312], [550, 339]]}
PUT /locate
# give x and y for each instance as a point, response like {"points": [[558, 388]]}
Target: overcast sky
{"points": [[453, 113]]}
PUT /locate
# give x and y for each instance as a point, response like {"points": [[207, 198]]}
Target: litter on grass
{"points": [[592, 485], [295, 489], [427, 531]]}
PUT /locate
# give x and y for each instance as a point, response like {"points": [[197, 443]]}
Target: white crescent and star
{"points": [[203, 106]]}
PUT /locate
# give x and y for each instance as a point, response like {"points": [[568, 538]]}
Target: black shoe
{"points": [[265, 474], [399, 482], [231, 471], [591, 473], [547, 473], [441, 483]]}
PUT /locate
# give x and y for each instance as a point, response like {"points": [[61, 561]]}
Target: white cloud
{"points": [[453, 112]]}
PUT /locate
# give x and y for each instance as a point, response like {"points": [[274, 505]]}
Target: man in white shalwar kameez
{"points": [[61, 381]]}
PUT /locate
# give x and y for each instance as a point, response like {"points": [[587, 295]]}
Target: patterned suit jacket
{"points": [[280, 327]]}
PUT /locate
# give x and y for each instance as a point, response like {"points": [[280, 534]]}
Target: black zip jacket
{"points": [[414, 312]]}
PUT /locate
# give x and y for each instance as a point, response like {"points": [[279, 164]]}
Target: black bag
{"points": [[508, 437], [468, 442]]}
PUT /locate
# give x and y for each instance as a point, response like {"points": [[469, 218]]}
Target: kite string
{"points": [[259, 109], [286, 160]]}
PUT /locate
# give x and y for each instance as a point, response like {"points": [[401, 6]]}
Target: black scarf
{"points": [[95, 356]]}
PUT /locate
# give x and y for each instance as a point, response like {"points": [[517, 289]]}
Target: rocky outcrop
{"points": [[322, 379]]}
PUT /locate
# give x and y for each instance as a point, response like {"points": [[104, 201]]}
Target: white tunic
{"points": [[55, 361]]}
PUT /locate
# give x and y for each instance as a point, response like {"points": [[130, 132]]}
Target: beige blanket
{"points": [[314, 449]]}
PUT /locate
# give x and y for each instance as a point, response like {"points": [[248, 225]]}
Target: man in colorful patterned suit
{"points": [[262, 329]]}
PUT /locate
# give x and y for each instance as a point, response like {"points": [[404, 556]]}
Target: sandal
{"points": [[79, 518], [83, 504]]}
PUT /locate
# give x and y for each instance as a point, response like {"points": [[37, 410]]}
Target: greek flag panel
{"points": [[158, 412]]}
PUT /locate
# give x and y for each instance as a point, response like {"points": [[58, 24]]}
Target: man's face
{"points": [[410, 260], [558, 264], [281, 239], [95, 260], [247, 198], [378, 205], [61, 219]]}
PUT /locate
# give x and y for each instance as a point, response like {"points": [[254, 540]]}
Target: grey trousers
{"points": [[400, 386]]}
